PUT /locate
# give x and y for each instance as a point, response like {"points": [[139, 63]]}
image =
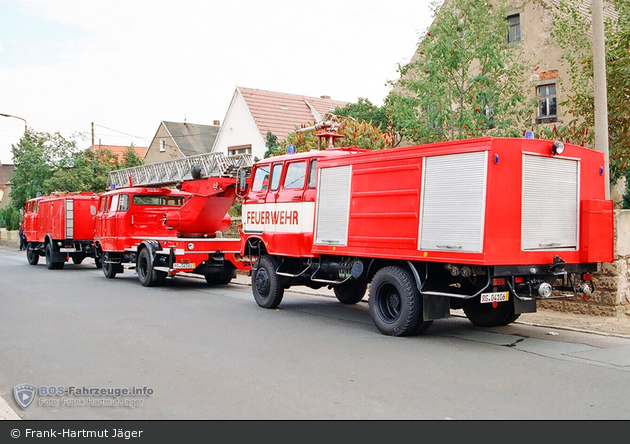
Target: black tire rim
{"points": [[388, 303], [263, 283]]}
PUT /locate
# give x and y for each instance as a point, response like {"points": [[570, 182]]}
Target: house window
{"points": [[243, 149], [514, 32], [547, 108], [162, 146]]}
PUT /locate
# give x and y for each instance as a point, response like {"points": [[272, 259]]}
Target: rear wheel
{"points": [[267, 286], [395, 303], [488, 315], [350, 292], [148, 276], [50, 264], [219, 275], [32, 255]]}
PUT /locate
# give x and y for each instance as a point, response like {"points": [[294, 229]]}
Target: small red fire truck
{"points": [[162, 231], [487, 225], [60, 227]]}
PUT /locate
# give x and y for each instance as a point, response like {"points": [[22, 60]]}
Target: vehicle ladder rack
{"points": [[171, 172]]}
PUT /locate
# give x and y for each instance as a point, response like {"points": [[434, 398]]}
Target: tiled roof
{"points": [[6, 173], [584, 6], [192, 138], [120, 150], [280, 113]]}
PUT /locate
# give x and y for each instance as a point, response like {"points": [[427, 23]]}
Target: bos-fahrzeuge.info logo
{"points": [[73, 396]]}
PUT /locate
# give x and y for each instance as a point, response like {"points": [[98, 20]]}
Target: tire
{"points": [[267, 286], [98, 261], [395, 303], [485, 315], [109, 270], [147, 275], [32, 255], [49, 261], [351, 292], [219, 276]]}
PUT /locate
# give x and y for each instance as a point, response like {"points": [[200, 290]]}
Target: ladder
{"points": [[171, 172]]}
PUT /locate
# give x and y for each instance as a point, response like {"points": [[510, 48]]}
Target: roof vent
{"points": [[217, 122], [325, 97]]}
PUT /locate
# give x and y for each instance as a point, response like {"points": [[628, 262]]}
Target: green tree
{"points": [[572, 31], [130, 158], [271, 142], [36, 158], [467, 81], [356, 133], [10, 218]]}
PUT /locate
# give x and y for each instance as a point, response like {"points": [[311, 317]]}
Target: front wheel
{"points": [[267, 286], [110, 270], [148, 276], [32, 255], [350, 292], [395, 303]]}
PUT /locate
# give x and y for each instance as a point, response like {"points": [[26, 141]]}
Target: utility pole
{"points": [[600, 91], [93, 147]]}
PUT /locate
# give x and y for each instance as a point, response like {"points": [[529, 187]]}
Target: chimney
{"points": [[217, 122], [325, 97]]}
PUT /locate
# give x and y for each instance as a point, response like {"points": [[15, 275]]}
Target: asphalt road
{"points": [[212, 353]]}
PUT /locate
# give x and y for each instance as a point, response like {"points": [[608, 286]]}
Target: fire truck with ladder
{"points": [[60, 227], [166, 219], [487, 225]]}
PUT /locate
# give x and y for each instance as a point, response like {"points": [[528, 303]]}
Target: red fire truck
{"points": [[487, 225], [162, 231], [60, 227]]}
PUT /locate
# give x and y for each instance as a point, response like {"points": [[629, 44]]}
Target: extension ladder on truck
{"points": [[178, 170]]}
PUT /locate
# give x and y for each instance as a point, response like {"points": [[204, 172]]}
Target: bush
{"points": [[10, 218]]}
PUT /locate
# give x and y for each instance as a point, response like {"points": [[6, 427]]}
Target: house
{"points": [[6, 173], [174, 140], [253, 112], [119, 150], [531, 26]]}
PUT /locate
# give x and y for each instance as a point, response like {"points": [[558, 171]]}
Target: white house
{"points": [[252, 112]]}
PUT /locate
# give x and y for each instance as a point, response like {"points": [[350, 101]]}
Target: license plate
{"points": [[499, 296], [67, 250], [178, 266]]}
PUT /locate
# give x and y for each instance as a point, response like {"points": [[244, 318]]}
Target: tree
{"points": [[46, 163], [573, 33], [356, 133], [467, 81], [271, 142], [36, 158], [392, 119]]}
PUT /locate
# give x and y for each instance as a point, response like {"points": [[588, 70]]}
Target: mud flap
{"points": [[435, 307]]}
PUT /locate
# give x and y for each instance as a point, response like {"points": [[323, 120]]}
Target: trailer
{"points": [[166, 219], [487, 225], [60, 227]]}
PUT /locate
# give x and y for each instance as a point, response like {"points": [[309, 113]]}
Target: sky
{"points": [[126, 65]]}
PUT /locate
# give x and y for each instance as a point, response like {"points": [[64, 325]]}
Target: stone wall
{"points": [[9, 238], [612, 290]]}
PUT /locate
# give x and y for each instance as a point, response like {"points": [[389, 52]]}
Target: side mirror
{"points": [[241, 182]]}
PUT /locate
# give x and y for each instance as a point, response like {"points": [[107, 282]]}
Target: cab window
{"points": [[113, 204], [296, 173], [261, 178], [312, 174], [276, 174], [123, 204], [164, 201]]}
